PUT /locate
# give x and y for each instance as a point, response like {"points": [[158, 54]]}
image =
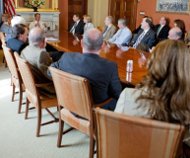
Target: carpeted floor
{"points": [[17, 136]]}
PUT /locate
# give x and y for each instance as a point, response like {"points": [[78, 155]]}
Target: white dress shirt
{"points": [[36, 23], [121, 36], [72, 30]]}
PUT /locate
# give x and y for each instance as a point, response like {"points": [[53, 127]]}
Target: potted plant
{"points": [[35, 4]]}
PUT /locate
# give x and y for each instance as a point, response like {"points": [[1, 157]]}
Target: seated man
{"points": [[162, 29], [20, 41], [101, 73], [77, 26], [146, 38], [123, 35], [7, 27], [37, 22], [109, 29], [175, 33], [37, 56]]}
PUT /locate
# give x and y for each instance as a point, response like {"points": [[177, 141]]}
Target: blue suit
{"points": [[101, 73], [147, 42], [16, 45]]}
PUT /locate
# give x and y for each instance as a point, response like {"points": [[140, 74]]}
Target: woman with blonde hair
{"points": [[88, 23], [164, 92]]}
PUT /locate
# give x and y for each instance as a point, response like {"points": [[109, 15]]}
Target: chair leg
{"points": [[13, 93], [39, 120], [27, 108], [20, 100], [91, 148], [60, 132]]}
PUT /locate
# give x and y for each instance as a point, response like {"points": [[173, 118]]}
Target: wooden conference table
{"points": [[70, 43]]}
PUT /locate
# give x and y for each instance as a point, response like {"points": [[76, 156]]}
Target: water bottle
{"points": [[129, 67]]}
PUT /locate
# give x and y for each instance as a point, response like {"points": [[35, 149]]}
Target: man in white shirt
{"points": [[123, 35], [37, 22]]}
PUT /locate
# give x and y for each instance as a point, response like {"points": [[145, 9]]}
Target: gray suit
{"points": [[107, 34], [40, 60]]}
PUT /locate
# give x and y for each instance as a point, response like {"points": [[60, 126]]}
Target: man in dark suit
{"points": [[162, 29], [146, 37], [20, 41], [77, 26], [101, 73]]}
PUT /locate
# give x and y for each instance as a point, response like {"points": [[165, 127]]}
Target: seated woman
{"points": [[164, 92], [181, 24], [88, 23]]}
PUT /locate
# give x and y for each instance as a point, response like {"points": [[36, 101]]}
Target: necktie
{"points": [[139, 39], [105, 31], [73, 28], [159, 29]]}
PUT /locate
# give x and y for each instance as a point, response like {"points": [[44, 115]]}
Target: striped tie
{"points": [[139, 39]]}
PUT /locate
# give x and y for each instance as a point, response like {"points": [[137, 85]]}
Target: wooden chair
{"points": [[33, 95], [74, 95], [3, 43], [124, 136], [15, 75]]}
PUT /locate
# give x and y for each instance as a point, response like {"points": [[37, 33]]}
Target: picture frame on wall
{"points": [[175, 6]]}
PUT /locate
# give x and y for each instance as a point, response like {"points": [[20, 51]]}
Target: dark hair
{"points": [[180, 23], [36, 14], [149, 21], [77, 15], [19, 29]]}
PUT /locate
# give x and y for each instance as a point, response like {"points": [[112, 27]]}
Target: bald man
{"points": [[101, 73], [175, 33]]}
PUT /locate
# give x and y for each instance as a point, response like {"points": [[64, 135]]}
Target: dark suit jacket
{"points": [[79, 29], [16, 45], [148, 40], [101, 73], [163, 32]]}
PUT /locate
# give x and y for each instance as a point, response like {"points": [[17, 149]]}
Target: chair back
{"points": [[73, 92], [124, 136], [28, 79], [12, 65]]}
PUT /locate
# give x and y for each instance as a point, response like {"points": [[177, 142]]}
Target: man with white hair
{"points": [[101, 73], [17, 20], [39, 59], [175, 33]]}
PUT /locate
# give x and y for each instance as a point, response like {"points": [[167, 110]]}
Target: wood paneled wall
{"points": [[98, 10], [67, 8]]}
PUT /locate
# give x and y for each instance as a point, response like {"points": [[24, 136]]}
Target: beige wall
{"points": [[98, 10]]}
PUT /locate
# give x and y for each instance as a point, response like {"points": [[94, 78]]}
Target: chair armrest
{"points": [[103, 103], [43, 84]]}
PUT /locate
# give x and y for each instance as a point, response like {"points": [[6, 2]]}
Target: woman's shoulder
{"points": [[128, 103]]}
